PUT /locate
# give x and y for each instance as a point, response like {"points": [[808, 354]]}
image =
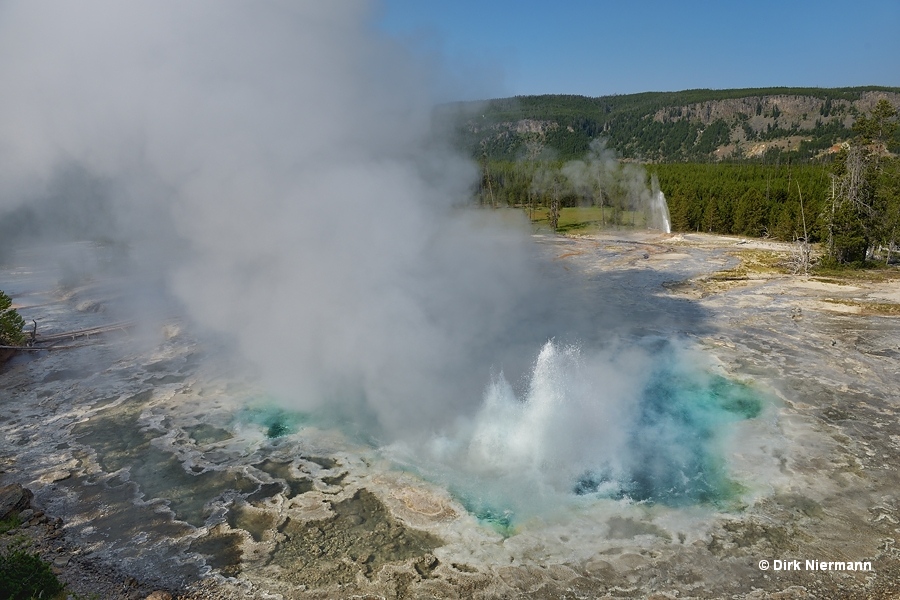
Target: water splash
{"points": [[559, 419], [647, 426]]}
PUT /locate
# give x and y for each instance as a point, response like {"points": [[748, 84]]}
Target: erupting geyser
{"points": [[659, 209], [646, 423]]}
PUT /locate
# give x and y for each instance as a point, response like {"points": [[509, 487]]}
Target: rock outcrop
{"points": [[14, 499]]}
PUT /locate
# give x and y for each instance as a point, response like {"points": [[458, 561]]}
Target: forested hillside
{"points": [[692, 125], [847, 199]]}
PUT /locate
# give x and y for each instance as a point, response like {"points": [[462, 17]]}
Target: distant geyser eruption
{"points": [[601, 179], [659, 209]]}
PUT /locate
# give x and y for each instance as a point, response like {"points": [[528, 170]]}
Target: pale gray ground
{"points": [[141, 449]]}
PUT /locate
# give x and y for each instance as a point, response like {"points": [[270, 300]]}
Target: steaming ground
{"points": [[169, 468]]}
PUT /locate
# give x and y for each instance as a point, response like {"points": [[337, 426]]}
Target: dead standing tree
{"points": [[801, 257], [550, 183]]}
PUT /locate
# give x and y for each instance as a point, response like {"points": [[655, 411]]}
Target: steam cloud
{"points": [[601, 175], [275, 167]]}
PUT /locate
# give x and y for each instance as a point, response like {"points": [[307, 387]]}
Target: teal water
{"points": [[674, 451], [675, 448], [273, 418]]}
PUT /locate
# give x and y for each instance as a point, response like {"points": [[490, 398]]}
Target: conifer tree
{"points": [[11, 323]]}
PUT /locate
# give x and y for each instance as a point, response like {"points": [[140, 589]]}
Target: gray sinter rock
{"points": [[13, 499]]}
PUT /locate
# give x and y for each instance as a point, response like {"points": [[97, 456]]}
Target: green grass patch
{"points": [[753, 263], [587, 219], [10, 522], [24, 576], [881, 309], [869, 271], [832, 280]]}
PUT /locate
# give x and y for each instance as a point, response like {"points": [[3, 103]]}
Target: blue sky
{"points": [[506, 47]]}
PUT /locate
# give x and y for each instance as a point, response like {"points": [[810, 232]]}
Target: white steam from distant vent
{"points": [[603, 180]]}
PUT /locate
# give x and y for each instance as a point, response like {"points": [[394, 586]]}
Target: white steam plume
{"points": [[601, 179], [275, 165]]}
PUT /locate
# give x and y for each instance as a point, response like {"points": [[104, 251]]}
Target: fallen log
{"points": [[52, 341], [38, 348], [87, 332]]}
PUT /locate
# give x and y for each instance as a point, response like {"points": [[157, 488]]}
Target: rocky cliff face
{"points": [[668, 128], [779, 111]]}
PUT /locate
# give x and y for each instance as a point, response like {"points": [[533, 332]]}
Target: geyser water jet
{"points": [[647, 423], [659, 208]]}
